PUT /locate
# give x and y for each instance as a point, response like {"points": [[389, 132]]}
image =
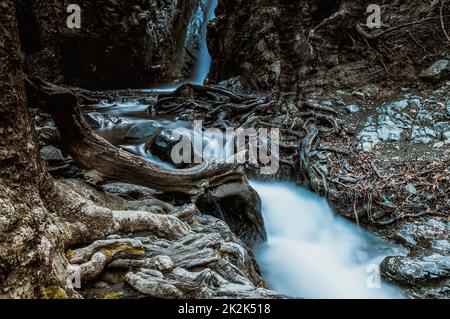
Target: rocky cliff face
{"points": [[120, 43], [244, 42], [293, 45]]}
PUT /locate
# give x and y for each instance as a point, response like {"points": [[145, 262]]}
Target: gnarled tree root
{"points": [[201, 258]]}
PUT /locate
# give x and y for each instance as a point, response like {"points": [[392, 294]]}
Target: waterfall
{"points": [[203, 60]]}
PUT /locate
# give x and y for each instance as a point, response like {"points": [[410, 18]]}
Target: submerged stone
{"points": [[142, 131]]}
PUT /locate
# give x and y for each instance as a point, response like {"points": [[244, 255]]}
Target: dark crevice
{"points": [[28, 26]]}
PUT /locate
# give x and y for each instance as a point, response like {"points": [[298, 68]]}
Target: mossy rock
{"points": [[53, 292]]}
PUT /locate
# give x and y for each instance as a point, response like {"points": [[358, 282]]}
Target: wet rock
{"points": [[353, 108], [142, 131], [422, 134], [416, 271], [437, 71], [51, 154], [423, 234], [162, 145], [101, 120]]}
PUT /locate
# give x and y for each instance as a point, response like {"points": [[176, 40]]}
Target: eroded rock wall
{"points": [[121, 43], [243, 41]]}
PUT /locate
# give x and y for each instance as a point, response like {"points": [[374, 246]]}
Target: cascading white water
{"points": [[204, 59], [313, 253]]}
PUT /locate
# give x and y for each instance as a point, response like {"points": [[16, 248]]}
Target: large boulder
{"points": [[425, 272], [141, 131]]}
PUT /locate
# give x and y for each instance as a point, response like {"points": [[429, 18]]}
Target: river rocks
{"points": [[51, 154], [101, 120], [425, 272], [415, 271], [437, 71], [413, 118], [162, 144], [142, 131]]}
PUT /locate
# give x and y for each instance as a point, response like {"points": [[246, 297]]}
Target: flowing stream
{"points": [[311, 252]]}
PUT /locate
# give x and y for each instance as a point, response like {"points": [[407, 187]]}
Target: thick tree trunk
{"points": [[25, 187]]}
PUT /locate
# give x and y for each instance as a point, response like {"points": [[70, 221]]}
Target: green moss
{"points": [[262, 284], [69, 254], [53, 292], [122, 248], [113, 295]]}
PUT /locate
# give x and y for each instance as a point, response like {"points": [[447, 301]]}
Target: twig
{"points": [[442, 20]]}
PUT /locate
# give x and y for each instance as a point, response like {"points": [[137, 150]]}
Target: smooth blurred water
{"points": [[312, 252]]}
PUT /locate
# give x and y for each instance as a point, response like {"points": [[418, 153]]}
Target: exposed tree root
{"points": [[173, 259], [304, 153]]}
